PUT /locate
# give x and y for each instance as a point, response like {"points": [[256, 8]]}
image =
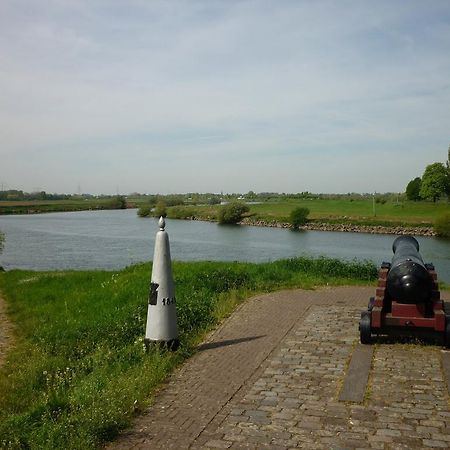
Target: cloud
{"points": [[106, 90]]}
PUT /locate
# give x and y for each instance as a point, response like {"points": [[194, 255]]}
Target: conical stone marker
{"points": [[162, 315]]}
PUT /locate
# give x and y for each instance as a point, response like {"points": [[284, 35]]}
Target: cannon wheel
{"points": [[365, 329]]}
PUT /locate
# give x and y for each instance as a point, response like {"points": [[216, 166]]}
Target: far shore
{"points": [[348, 228], [338, 227], [313, 225]]}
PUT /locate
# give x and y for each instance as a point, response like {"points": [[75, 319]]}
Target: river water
{"points": [[115, 239]]}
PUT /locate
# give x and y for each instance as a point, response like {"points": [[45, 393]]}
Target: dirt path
{"points": [[6, 331]]}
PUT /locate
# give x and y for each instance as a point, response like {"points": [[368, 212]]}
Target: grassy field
{"points": [[357, 211], [79, 372], [343, 211], [73, 204], [41, 206]]}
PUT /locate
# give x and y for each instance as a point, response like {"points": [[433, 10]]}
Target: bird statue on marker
{"points": [[162, 315]]}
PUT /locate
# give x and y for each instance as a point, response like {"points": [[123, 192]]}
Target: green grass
{"points": [[334, 211], [78, 371], [42, 206], [74, 204], [406, 212]]}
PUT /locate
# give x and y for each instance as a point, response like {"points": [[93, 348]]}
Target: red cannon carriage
{"points": [[407, 299]]}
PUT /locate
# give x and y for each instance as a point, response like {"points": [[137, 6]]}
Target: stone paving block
{"points": [[281, 390]]}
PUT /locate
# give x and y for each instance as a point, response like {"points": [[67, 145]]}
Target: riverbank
{"points": [[340, 215], [74, 377], [346, 227]]}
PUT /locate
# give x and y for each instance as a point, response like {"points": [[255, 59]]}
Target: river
{"points": [[118, 238]]}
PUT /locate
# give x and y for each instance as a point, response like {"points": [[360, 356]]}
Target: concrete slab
{"points": [[355, 382]]}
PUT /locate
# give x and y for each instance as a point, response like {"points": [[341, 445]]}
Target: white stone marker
{"points": [[162, 314]]}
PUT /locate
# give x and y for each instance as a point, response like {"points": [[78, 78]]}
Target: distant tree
{"points": [[435, 182], [173, 200], [299, 216], [448, 162], [214, 200], [232, 213], [413, 189], [160, 209], [118, 202]]}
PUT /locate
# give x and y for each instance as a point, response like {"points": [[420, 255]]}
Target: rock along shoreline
{"points": [[348, 228]]}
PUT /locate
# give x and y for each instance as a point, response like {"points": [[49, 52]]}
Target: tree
{"points": [[144, 211], [232, 213], [160, 209], [118, 202], [214, 200], [435, 182], [299, 216], [448, 162], [413, 189]]}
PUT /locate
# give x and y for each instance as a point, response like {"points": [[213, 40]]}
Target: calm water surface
{"points": [[115, 239]]}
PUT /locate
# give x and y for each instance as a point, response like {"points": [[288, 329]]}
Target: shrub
{"points": [[442, 225], [118, 202], [144, 211], [299, 216], [232, 213], [160, 209]]}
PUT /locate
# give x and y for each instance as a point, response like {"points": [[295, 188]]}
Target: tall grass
{"points": [[79, 371]]}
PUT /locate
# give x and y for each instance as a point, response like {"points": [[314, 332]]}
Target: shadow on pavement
{"points": [[211, 345]]}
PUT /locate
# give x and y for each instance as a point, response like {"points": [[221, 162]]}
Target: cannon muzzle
{"points": [[408, 280]]}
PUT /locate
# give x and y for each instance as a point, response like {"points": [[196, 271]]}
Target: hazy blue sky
{"points": [[187, 96]]}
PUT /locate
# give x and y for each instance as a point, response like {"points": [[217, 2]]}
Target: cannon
{"points": [[407, 298]]}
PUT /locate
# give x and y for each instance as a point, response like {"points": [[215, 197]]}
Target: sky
{"points": [[108, 96]]}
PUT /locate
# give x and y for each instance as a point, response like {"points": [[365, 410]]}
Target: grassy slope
{"points": [[357, 211], [412, 212], [79, 371]]}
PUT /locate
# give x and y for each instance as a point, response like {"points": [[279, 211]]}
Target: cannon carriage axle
{"points": [[407, 298]]}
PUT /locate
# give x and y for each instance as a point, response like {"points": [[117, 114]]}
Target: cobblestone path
{"points": [[271, 375]]}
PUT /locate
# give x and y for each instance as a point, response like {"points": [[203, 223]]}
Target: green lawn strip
{"points": [[358, 212], [79, 372]]}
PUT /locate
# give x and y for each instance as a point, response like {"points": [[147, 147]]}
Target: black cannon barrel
{"points": [[408, 280]]}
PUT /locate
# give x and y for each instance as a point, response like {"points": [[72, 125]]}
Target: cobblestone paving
{"points": [[294, 402], [271, 375]]}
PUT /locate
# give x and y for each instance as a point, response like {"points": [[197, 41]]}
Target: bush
{"points": [[160, 209], [144, 211], [299, 216], [118, 202], [442, 225], [232, 213]]}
